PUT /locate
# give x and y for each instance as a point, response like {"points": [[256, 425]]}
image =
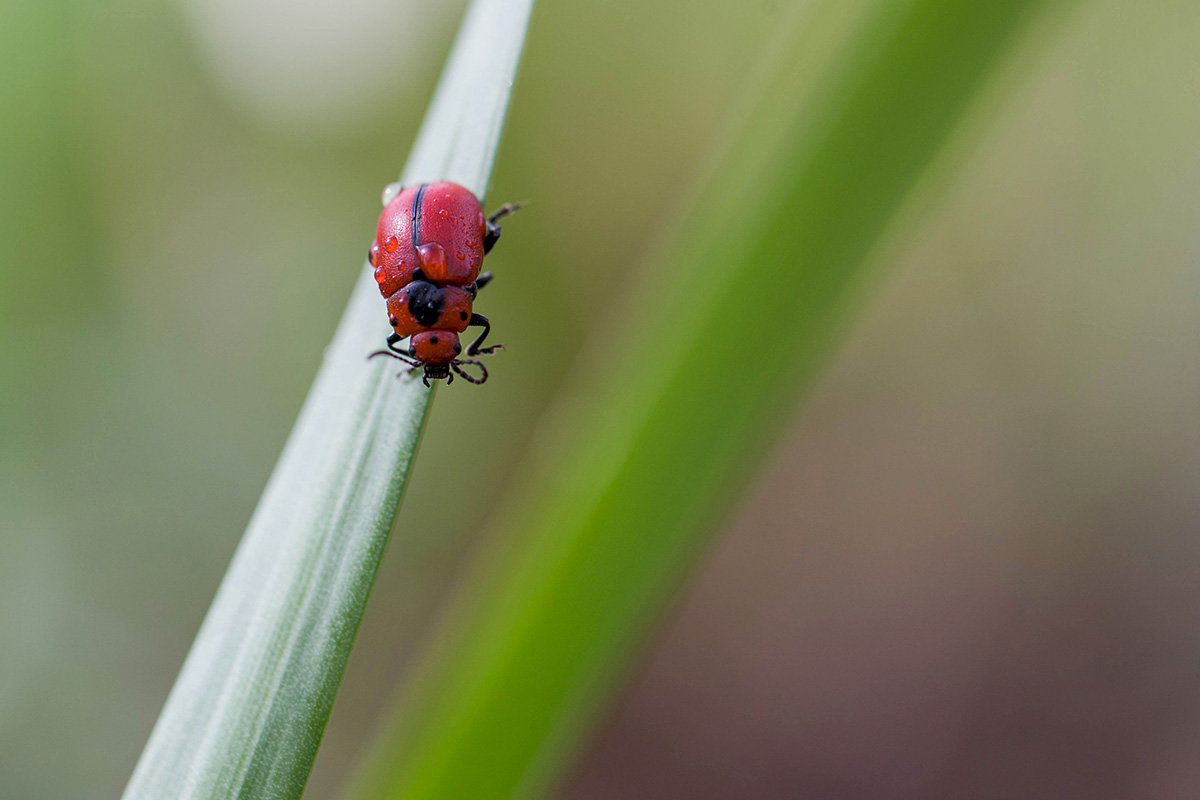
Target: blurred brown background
{"points": [[970, 570]]}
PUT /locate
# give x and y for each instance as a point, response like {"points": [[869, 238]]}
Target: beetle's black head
{"points": [[437, 372], [446, 372]]}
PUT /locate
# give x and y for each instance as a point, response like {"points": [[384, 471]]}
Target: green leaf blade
{"points": [[247, 712], [670, 429]]}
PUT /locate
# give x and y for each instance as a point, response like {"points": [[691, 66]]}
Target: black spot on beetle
{"points": [[425, 302], [393, 321], [433, 339], [464, 315], [457, 349]]}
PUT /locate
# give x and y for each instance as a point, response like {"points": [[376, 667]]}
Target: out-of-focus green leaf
{"points": [[247, 712], [732, 322]]}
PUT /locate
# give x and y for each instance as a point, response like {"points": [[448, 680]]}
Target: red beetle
{"points": [[427, 253]]}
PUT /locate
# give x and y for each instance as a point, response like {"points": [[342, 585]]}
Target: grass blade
{"points": [[247, 712], [742, 306]]}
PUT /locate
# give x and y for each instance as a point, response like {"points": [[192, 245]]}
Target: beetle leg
{"points": [[392, 340], [490, 237], [475, 349], [493, 227], [395, 352], [480, 282], [503, 211]]}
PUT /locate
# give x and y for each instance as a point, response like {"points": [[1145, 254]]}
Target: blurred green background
{"points": [[972, 563]]}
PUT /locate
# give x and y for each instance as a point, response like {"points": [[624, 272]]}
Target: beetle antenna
{"points": [[456, 366], [390, 354]]}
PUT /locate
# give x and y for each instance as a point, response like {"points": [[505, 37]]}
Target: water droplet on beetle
{"points": [[389, 192]]}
